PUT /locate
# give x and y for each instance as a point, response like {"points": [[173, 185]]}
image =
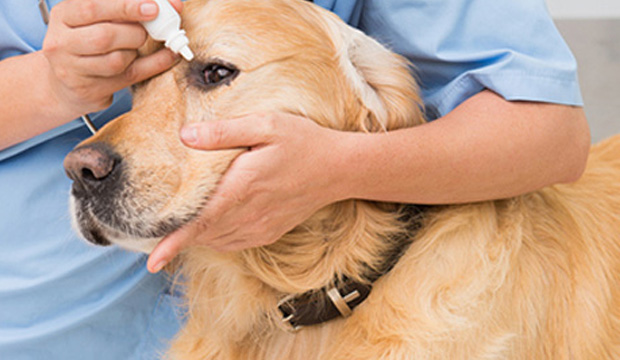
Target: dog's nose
{"points": [[91, 165]]}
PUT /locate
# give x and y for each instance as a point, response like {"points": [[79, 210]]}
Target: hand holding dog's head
{"points": [[259, 56]]}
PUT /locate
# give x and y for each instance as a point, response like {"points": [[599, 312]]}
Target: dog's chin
{"points": [[98, 233], [100, 237]]}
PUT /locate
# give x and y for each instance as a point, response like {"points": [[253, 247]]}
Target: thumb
{"points": [[177, 4], [168, 249], [247, 131]]}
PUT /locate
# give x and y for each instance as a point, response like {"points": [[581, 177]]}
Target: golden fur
{"points": [[532, 277]]}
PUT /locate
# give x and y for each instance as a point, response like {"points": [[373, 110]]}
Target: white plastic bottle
{"points": [[167, 27]]}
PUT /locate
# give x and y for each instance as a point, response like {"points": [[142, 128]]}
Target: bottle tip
{"points": [[187, 53]]}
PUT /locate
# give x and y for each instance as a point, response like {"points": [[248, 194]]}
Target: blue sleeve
{"points": [[459, 48]]}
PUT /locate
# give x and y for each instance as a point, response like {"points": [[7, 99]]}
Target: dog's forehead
{"points": [[252, 29]]}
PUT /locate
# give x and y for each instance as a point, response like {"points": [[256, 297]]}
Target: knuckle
{"points": [[269, 124], [248, 177], [238, 197], [117, 63], [234, 198], [63, 74], [255, 221], [51, 45], [102, 38], [128, 9], [132, 74], [140, 35], [202, 224], [57, 11], [217, 134], [88, 10]]}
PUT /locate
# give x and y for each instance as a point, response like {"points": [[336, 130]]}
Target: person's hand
{"points": [[290, 171], [91, 47]]}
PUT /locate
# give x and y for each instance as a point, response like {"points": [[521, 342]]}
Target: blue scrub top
{"points": [[460, 47], [63, 299]]}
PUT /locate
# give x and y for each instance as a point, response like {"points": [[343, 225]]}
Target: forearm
{"points": [[485, 149], [28, 105]]}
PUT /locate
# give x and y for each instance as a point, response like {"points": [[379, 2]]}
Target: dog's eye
{"points": [[211, 74], [217, 73]]}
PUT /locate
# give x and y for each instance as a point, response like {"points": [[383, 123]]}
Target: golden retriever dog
{"points": [[531, 277]]}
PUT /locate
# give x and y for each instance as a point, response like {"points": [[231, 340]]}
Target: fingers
{"points": [[90, 82], [92, 49], [127, 67], [119, 69], [248, 131], [177, 4], [139, 70], [149, 66], [235, 245], [168, 249], [173, 244], [107, 65], [105, 37], [170, 246], [76, 13]]}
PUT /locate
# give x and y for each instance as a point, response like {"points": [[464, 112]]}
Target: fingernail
{"points": [[189, 134], [148, 9], [160, 265]]}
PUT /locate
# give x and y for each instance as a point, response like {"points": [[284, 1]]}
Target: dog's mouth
{"points": [[101, 227], [113, 203]]}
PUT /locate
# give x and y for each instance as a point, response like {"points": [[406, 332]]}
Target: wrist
{"points": [[57, 108], [349, 164], [373, 166], [29, 105]]}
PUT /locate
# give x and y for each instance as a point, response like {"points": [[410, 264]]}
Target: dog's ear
{"points": [[383, 82]]}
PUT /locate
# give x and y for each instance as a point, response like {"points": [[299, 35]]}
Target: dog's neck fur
{"points": [[324, 242], [237, 294], [223, 286]]}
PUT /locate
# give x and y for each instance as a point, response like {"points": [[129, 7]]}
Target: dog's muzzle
{"points": [[106, 208]]}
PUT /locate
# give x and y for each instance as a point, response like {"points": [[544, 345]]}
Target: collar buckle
{"points": [[287, 309], [342, 303]]}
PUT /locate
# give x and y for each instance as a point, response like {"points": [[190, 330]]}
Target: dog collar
{"points": [[345, 294]]}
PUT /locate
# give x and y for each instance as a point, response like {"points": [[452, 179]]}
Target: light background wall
{"points": [[571, 9], [592, 30]]}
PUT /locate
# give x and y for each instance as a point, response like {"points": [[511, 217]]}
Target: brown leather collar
{"points": [[338, 300]]}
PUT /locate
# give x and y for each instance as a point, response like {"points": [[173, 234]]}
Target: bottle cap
{"points": [[187, 53], [179, 44]]}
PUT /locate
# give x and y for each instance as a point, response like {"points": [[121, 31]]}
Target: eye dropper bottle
{"points": [[167, 27]]}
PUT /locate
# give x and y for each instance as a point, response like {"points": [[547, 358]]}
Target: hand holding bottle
{"points": [[91, 47]]}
